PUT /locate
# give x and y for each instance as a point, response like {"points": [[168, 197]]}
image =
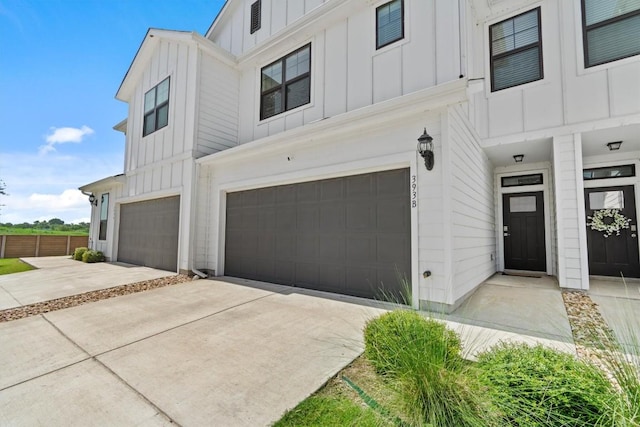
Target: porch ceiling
{"points": [[594, 143], [534, 151]]}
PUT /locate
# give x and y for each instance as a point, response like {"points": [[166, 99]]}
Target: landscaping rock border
{"points": [[87, 297]]}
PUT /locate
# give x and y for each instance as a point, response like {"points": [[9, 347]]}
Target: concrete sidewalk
{"points": [[202, 353], [58, 277]]}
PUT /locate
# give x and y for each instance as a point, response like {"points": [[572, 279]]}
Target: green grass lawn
{"points": [[14, 231], [13, 265]]}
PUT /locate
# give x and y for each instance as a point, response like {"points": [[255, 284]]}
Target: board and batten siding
{"points": [[568, 94], [348, 73], [218, 91], [176, 60], [233, 33], [472, 208], [573, 270]]}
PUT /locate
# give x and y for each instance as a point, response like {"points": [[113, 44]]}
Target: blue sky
{"points": [[61, 62]]}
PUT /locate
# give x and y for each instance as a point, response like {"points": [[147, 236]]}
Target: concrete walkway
{"points": [[58, 277], [202, 353], [619, 302]]}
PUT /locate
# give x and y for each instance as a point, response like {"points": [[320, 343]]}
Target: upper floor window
{"points": [[610, 30], [156, 108], [256, 16], [286, 83], [104, 208], [389, 23], [516, 51]]}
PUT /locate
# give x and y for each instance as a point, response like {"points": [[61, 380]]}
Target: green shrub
{"points": [[423, 359], [326, 411], [537, 386], [91, 256], [78, 252]]}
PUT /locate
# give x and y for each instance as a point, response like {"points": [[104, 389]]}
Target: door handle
{"points": [[506, 234], [633, 235]]}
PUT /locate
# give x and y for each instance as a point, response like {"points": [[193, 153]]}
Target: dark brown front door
{"points": [[614, 255], [523, 231]]}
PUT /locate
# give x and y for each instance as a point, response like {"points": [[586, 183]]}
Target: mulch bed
{"points": [[87, 297]]}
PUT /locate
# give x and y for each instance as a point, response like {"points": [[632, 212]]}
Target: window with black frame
{"points": [[156, 108], [286, 83], [389, 23], [516, 50], [610, 30]]}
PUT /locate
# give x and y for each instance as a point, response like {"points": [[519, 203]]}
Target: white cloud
{"points": [[69, 199], [63, 136]]}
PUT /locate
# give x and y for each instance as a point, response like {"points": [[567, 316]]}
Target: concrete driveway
{"points": [[58, 277], [207, 352]]}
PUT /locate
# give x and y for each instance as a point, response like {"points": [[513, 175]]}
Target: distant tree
{"points": [[3, 188], [56, 221]]}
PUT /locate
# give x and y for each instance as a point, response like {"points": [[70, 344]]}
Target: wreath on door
{"points": [[608, 221]]}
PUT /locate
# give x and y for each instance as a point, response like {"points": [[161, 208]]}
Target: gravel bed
{"points": [[593, 338], [87, 297]]}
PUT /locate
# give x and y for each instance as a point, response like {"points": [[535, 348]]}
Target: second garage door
{"points": [[149, 233], [347, 235]]}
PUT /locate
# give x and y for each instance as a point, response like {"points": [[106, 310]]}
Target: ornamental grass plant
{"points": [[422, 360]]}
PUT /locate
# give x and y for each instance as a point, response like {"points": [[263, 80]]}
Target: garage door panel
{"points": [[391, 249], [360, 187], [332, 247], [307, 192], [307, 217], [390, 216], [332, 189], [285, 246], [286, 217], [341, 235], [361, 249], [361, 216], [307, 247], [148, 233], [332, 217], [286, 194], [284, 272]]}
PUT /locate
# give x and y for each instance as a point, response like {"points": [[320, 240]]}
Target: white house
{"points": [[282, 145]]}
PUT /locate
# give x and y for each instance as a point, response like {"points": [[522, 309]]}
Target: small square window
{"points": [[156, 108], [389, 23], [256, 16], [516, 51]]}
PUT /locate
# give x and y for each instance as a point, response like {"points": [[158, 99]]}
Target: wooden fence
{"points": [[12, 246]]}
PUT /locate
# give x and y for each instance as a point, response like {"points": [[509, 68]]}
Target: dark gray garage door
{"points": [[149, 233], [346, 235]]}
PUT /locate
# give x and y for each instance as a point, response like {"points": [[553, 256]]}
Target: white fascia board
{"points": [[121, 126], [219, 17], [104, 182], [148, 46], [389, 111]]}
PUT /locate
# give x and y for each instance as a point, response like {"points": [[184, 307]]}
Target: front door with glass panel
{"points": [[523, 231], [610, 253]]}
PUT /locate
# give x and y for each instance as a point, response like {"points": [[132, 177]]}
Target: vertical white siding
{"points": [[218, 93], [472, 207], [573, 269]]}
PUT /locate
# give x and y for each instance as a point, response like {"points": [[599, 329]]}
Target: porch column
{"points": [[571, 232]]}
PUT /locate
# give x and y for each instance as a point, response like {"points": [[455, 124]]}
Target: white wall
{"points": [[568, 94], [347, 72], [218, 111], [472, 218]]}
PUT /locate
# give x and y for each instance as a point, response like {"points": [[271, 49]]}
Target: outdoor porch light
{"points": [[613, 146], [518, 158], [93, 200], [425, 148]]}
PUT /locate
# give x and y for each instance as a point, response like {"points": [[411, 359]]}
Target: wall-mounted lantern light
{"points": [[93, 200], [613, 146], [425, 148], [518, 158]]}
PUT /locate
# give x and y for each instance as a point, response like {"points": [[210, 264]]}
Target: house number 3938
{"points": [[414, 191]]}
